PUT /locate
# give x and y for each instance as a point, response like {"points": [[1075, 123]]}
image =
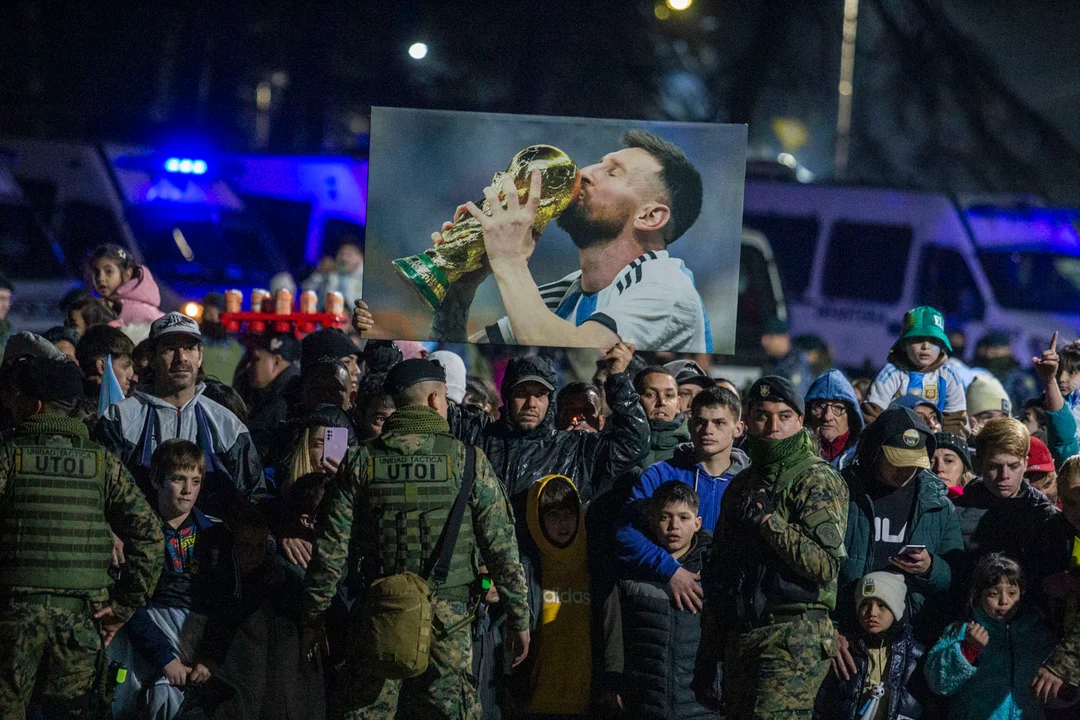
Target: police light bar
{"points": [[185, 166]]}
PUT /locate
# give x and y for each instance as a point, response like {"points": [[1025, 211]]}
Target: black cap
{"points": [[327, 343], [688, 372], [48, 380], [948, 441], [906, 438], [774, 388], [775, 326], [381, 355], [410, 372], [284, 344], [532, 368], [214, 299]]}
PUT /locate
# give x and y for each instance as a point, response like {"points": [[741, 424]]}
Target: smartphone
{"points": [[910, 549], [335, 443]]}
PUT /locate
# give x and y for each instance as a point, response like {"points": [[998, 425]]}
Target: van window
{"points": [[25, 251], [793, 240], [1034, 280], [867, 261], [945, 282], [757, 303]]}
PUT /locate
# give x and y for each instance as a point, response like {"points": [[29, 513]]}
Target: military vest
{"points": [[53, 532], [767, 582], [411, 494]]}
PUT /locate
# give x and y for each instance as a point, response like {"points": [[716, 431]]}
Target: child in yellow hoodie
{"points": [[559, 679]]}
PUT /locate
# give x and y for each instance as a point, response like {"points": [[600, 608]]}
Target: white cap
{"points": [[174, 322], [455, 373]]}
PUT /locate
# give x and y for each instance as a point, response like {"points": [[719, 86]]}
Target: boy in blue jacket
{"points": [[173, 635], [707, 465]]}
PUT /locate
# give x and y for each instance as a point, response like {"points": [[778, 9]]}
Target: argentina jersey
{"points": [[652, 304]]}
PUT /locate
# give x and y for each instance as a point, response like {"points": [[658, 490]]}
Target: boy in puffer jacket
{"points": [[917, 366], [889, 684], [987, 665], [651, 647]]}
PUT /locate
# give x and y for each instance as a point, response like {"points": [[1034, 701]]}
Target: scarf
{"points": [[770, 457], [44, 424], [831, 450], [416, 420]]}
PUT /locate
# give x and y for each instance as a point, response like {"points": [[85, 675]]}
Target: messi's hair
{"points": [[176, 454], [680, 179], [989, 571], [717, 397], [1002, 435], [639, 379], [672, 492]]}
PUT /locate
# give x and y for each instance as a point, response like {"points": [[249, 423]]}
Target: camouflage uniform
{"points": [[774, 584], [347, 530], [49, 641], [1064, 661]]}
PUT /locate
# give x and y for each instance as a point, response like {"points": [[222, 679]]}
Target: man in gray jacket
{"points": [[176, 408]]}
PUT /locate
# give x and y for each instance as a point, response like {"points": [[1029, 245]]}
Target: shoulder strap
{"points": [[448, 540]]}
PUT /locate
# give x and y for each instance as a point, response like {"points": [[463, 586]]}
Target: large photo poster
{"points": [[568, 232]]}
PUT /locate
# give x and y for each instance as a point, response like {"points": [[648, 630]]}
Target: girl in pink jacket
{"points": [[128, 287]]}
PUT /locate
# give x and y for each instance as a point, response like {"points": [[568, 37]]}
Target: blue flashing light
{"points": [[186, 166]]}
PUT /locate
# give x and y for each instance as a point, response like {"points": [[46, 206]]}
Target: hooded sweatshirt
{"points": [[637, 550], [562, 665], [833, 386], [938, 383], [140, 300], [133, 429]]}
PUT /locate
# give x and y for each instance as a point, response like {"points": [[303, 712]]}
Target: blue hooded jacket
{"points": [[637, 550], [832, 385]]}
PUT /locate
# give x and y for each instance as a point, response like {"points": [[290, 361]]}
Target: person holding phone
{"points": [[899, 520]]}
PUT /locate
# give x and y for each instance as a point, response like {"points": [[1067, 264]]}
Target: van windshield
{"points": [[1034, 279]]}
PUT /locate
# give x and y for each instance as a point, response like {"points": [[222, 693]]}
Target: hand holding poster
{"points": [[601, 273]]}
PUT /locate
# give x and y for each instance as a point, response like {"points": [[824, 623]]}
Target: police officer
{"points": [[384, 514], [60, 495], [779, 544]]}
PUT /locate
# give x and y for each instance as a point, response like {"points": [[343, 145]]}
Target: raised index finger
{"points": [[1053, 341]]}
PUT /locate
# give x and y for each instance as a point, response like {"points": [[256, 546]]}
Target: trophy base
{"points": [[426, 278]]}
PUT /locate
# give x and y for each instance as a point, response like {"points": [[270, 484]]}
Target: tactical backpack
{"points": [[392, 632]]}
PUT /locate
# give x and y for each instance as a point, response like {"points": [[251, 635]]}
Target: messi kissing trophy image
{"points": [[462, 251]]}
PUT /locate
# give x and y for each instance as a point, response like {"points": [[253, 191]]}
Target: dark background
{"points": [[963, 96]]}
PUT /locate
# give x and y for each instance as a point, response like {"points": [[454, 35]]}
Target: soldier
{"points": [[779, 543], [59, 496], [384, 513]]}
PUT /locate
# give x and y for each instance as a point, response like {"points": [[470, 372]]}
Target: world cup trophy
{"points": [[462, 251]]}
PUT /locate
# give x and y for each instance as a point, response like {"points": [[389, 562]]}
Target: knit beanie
{"points": [[888, 587], [986, 393]]}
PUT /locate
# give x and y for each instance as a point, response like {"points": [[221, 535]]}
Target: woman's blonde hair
{"points": [[299, 462]]}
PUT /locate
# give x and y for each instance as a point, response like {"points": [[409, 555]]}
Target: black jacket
{"points": [[908, 694], [652, 648], [270, 410], [1015, 526], [590, 460]]}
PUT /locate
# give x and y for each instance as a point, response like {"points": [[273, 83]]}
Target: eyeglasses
{"points": [[838, 409]]}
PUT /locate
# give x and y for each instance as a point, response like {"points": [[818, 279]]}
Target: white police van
{"points": [[852, 260]]}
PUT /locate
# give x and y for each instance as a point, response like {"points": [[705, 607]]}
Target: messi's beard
{"points": [[586, 231]]}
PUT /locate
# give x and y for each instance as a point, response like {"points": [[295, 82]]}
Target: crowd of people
{"points": [[342, 527]]}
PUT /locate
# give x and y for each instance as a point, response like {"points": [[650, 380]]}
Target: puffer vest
{"points": [[53, 532], [412, 482]]}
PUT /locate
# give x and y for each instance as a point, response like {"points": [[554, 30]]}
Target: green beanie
{"points": [[925, 321]]}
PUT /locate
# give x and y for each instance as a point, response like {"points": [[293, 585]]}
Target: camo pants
{"points": [[446, 690], [49, 653]]}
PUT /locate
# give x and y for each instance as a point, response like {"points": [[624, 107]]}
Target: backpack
{"points": [[392, 635]]}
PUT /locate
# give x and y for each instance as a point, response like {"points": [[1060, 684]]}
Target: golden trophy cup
{"points": [[462, 251]]}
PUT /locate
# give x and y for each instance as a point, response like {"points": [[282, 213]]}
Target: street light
{"points": [[418, 51], [679, 4]]}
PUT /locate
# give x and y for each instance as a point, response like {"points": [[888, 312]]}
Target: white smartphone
{"points": [[910, 549], [335, 443]]}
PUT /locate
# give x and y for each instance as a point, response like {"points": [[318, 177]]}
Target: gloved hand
{"points": [[759, 506]]}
